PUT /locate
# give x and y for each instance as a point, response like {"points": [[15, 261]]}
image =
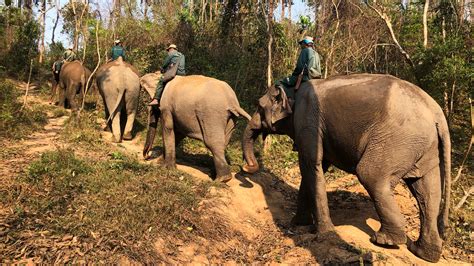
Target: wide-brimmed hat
{"points": [[306, 40], [117, 41], [172, 46]]}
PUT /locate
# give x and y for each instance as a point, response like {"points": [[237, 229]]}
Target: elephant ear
{"points": [[281, 107]]}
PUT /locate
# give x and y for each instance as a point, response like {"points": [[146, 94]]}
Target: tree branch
{"points": [[468, 151], [464, 198], [388, 23]]}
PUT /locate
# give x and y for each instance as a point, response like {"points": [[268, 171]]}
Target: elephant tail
{"points": [[445, 169], [117, 104], [238, 111]]}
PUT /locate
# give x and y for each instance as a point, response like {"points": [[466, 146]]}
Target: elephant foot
{"points": [[427, 251], [324, 228], [128, 136], [224, 178], [302, 219], [116, 140], [169, 165], [386, 238], [107, 129]]}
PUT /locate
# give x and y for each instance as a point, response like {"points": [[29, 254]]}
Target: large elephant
{"points": [[378, 127], [72, 81], [119, 86], [198, 107]]}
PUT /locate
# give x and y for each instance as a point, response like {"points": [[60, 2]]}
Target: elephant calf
{"points": [[198, 107], [119, 86], [378, 127]]}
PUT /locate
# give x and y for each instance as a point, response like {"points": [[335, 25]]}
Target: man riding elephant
{"points": [[174, 65], [69, 55], [307, 67], [117, 51]]}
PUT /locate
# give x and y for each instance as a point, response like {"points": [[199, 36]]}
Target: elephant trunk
{"points": [[250, 134], [153, 117]]}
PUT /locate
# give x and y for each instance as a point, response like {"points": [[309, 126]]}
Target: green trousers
{"points": [[159, 89]]}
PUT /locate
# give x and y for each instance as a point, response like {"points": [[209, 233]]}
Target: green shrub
{"points": [[15, 122]]}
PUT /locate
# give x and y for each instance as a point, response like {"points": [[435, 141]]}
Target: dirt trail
{"points": [[260, 208]]}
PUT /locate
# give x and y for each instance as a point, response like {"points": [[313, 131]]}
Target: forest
{"points": [[68, 194]]}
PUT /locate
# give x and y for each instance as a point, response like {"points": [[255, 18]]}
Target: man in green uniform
{"points": [[308, 65], [69, 55], [173, 65], [117, 50]]}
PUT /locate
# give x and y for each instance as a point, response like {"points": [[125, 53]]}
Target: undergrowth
{"points": [[16, 122], [99, 209]]}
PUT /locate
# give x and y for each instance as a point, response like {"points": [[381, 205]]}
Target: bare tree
{"points": [[425, 23], [386, 18]]}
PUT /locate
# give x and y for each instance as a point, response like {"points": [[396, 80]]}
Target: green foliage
{"points": [[18, 40], [14, 122], [84, 130]]}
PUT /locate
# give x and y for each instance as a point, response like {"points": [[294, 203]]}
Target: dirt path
{"points": [[260, 208]]}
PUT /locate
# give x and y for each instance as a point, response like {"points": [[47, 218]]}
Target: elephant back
{"points": [[198, 92], [73, 71], [118, 73]]}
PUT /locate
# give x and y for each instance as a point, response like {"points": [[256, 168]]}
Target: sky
{"points": [[299, 8]]}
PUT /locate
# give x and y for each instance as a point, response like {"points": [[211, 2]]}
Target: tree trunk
{"points": [[42, 30], [331, 51], [282, 10], [55, 26], [425, 23], [210, 10], [269, 22], [289, 9]]}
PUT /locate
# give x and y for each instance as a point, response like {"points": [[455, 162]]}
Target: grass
{"points": [[102, 208], [14, 122], [83, 130]]}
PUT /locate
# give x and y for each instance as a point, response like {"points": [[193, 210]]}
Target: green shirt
{"points": [[308, 60], [69, 55], [173, 58], [117, 51]]}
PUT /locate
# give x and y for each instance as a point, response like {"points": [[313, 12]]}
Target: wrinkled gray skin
{"points": [[119, 86], [201, 108], [378, 127], [72, 81]]}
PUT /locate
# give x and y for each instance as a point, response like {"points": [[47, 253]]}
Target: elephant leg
{"points": [[62, 97], [229, 129], [378, 185], [107, 114], [313, 194], [116, 136], [427, 191], [214, 129], [303, 214], [127, 135], [54, 87], [223, 173], [168, 138], [71, 95]]}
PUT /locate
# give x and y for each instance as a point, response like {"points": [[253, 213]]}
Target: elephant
{"points": [[119, 85], [198, 107], [72, 81], [377, 127]]}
